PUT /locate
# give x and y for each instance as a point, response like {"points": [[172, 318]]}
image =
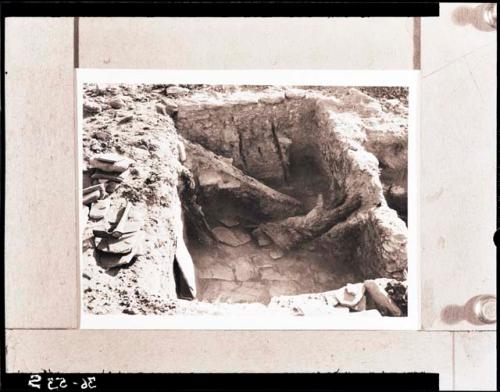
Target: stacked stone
{"points": [[118, 238]]}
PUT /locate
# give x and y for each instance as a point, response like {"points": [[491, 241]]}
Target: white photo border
{"points": [[311, 77]]}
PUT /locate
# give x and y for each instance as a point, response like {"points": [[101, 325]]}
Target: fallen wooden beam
{"points": [[290, 232], [216, 173]]}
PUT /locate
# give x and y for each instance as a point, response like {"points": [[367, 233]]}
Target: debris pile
{"points": [[118, 238]]}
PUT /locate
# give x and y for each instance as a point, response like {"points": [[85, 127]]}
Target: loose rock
{"points": [[177, 90], [116, 103], [91, 108], [99, 209], [230, 237]]}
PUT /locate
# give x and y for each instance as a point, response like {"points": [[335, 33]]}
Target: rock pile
{"points": [[119, 237]]}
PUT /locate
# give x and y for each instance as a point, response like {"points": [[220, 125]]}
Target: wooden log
{"points": [[217, 174], [290, 232]]}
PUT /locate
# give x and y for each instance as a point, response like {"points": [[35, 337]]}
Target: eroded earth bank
{"points": [[225, 200]]}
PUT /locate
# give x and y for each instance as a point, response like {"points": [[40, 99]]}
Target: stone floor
{"points": [[249, 273]]}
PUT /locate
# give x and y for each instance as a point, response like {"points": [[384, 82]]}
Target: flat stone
{"points": [[93, 188], [177, 90], [121, 245], [229, 221], [270, 273], [117, 167], [230, 237], [110, 157], [111, 176], [91, 197], [126, 119], [216, 271], [99, 209], [109, 260]]}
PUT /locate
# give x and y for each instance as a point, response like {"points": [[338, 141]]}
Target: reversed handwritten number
{"points": [[60, 382], [89, 383], [34, 379]]}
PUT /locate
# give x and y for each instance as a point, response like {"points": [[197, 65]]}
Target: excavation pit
{"points": [[293, 193]]}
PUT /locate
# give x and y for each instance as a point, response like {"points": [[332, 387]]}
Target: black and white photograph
{"points": [[247, 205]]}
